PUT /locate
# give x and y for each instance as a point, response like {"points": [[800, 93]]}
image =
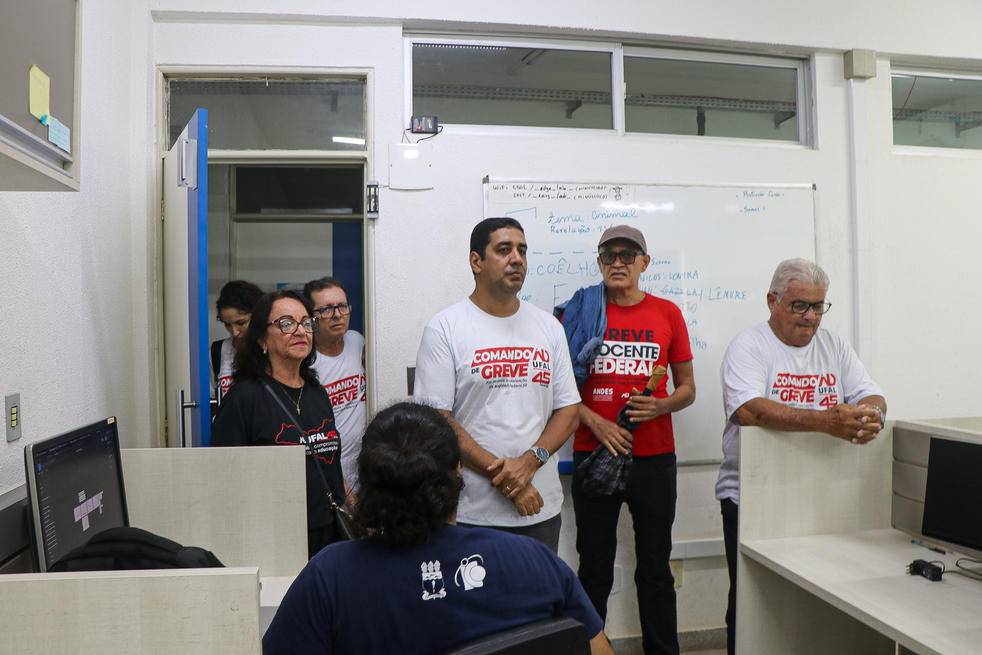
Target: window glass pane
{"points": [[266, 114], [943, 112], [497, 85], [273, 255], [296, 190], [671, 96]]}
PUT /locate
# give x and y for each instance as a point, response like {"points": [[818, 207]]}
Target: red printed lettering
{"points": [[504, 355], [505, 371], [788, 395]]}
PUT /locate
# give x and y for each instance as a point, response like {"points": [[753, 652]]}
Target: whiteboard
{"points": [[713, 251]]}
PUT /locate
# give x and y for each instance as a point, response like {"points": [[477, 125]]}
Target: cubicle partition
{"points": [[246, 505], [185, 611], [822, 565]]}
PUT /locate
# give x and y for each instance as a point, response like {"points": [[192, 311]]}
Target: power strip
{"points": [[925, 569]]}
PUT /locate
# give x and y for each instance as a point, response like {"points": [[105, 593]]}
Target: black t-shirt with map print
{"points": [[249, 416]]}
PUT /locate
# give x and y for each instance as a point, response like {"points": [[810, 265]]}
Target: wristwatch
{"points": [[540, 453]]}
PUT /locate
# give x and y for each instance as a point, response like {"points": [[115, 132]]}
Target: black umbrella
{"points": [[605, 473]]}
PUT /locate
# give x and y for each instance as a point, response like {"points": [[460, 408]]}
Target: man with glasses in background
{"points": [[789, 374], [340, 367], [636, 333]]}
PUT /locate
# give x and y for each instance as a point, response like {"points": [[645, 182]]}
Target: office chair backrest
{"points": [[562, 636]]}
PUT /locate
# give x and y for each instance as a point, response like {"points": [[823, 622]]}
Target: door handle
{"points": [[187, 174], [182, 405]]}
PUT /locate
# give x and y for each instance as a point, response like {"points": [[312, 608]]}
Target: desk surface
{"points": [[864, 575]]}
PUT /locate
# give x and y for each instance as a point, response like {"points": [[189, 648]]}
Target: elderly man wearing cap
{"points": [[618, 334]]}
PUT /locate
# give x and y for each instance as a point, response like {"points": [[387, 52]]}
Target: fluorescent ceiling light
{"points": [[355, 141]]}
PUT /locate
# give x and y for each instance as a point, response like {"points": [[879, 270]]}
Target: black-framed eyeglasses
{"points": [[802, 307], [627, 257], [288, 324], [341, 309]]}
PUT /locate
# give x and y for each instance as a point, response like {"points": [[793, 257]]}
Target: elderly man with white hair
{"points": [[789, 374]]}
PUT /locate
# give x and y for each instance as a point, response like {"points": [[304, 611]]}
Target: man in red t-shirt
{"points": [[642, 332]]}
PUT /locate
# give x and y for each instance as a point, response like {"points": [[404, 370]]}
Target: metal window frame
{"points": [[616, 86], [254, 73], [942, 116], [802, 66]]}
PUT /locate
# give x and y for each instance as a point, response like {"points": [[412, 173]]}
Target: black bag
{"points": [[124, 548], [343, 520]]}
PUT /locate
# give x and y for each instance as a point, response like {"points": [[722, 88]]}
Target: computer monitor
{"points": [[75, 489], [953, 495]]}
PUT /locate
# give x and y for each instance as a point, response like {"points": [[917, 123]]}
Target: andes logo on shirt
{"points": [[805, 390], [319, 442], [510, 366]]}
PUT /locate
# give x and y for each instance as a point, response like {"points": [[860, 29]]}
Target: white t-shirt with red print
{"points": [[225, 369], [823, 374], [343, 378], [501, 378]]}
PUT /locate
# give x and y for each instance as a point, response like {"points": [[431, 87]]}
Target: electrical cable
{"points": [[906, 100], [974, 574], [439, 130]]}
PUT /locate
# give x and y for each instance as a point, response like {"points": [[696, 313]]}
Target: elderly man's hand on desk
{"points": [[856, 423]]}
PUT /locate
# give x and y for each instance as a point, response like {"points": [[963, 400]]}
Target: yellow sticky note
{"points": [[40, 93]]}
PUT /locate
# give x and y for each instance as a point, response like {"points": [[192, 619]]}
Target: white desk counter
{"points": [[863, 574], [821, 567], [271, 592]]}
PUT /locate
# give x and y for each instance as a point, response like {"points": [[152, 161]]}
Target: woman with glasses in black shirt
{"points": [[277, 400]]}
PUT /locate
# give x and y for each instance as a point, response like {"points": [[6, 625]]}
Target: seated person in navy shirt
{"points": [[415, 582]]}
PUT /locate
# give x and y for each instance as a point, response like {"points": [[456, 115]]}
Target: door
{"points": [[186, 286]]}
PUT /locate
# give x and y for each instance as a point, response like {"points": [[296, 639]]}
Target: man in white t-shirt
{"points": [[789, 374], [340, 367], [499, 369]]}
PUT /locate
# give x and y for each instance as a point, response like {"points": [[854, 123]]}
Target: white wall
{"points": [[87, 263], [74, 265]]}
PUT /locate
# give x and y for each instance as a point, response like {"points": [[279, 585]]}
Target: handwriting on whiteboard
{"points": [[517, 191], [713, 251], [566, 271]]}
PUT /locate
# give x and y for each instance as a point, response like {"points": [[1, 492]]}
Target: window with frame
{"points": [[687, 93], [505, 84], [679, 92], [936, 110], [264, 113]]}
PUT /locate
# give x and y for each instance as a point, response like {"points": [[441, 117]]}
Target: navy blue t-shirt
{"points": [[464, 583]]}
